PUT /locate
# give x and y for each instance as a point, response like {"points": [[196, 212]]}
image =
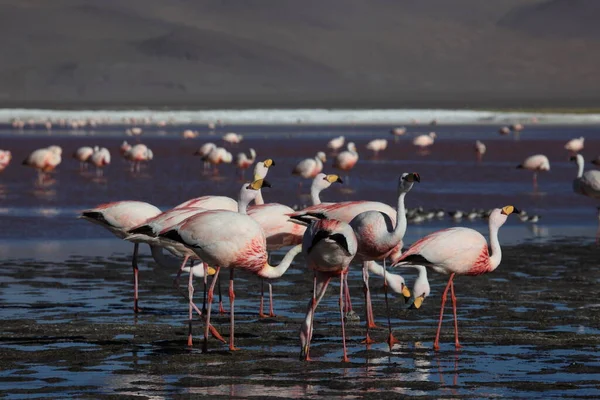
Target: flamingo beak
{"points": [[211, 271], [418, 302], [405, 292]]}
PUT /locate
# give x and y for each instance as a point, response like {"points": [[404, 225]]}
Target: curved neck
{"points": [[496, 256], [272, 272], [319, 163], [259, 201], [162, 260], [579, 167], [243, 205], [314, 193], [400, 230]]}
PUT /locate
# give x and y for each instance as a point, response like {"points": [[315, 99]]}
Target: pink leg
{"points": [[211, 291], [453, 297], [261, 314], [313, 307], [436, 344], [369, 312], [391, 339], [191, 295], [231, 312], [136, 308], [176, 280], [213, 331], [319, 287], [271, 312], [345, 358], [221, 309], [347, 300]]}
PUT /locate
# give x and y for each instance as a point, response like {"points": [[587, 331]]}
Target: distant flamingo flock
{"points": [[237, 234]]}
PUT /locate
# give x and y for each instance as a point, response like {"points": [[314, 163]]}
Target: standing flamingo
{"points": [[378, 238], [321, 182], [83, 155], [217, 156], [505, 130], [423, 141], [119, 217], [574, 146], [226, 239], [479, 150], [461, 251], [336, 143], [203, 152], [535, 163], [377, 145], [587, 183], [138, 154], [397, 132], [44, 160], [232, 138], [100, 158], [310, 167], [5, 157], [244, 162], [347, 159], [328, 246]]}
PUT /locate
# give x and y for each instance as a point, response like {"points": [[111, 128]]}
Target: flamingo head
{"points": [[421, 288], [321, 156], [407, 180], [262, 168], [352, 147], [499, 215]]}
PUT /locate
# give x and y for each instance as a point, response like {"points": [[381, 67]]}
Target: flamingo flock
{"points": [[223, 233]]}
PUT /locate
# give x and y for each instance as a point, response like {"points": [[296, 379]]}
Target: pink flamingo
{"points": [[310, 167], [505, 130], [461, 251], [119, 217], [44, 160], [423, 141], [347, 159], [328, 246], [83, 155], [587, 184], [479, 150], [203, 152], [535, 163], [244, 162], [218, 156], [227, 239], [336, 143], [378, 238], [5, 157], [138, 154], [574, 146], [377, 145], [100, 158]]}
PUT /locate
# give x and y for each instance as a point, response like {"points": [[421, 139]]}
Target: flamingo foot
{"points": [[272, 314], [371, 325], [436, 346], [136, 309], [262, 315], [189, 342], [233, 348], [458, 346], [221, 309], [216, 334], [368, 340], [345, 359], [392, 340]]}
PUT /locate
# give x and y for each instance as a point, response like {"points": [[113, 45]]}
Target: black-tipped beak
{"points": [[516, 211], [417, 177], [339, 180], [266, 184], [272, 162]]}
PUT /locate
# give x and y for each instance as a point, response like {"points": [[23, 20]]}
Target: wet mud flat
{"points": [[531, 329]]}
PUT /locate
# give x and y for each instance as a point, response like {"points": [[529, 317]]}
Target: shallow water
{"points": [[529, 330]]}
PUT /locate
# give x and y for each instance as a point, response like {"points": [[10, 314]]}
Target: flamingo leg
{"points": [[436, 344], [210, 298], [191, 295], [231, 312], [320, 283], [391, 339], [221, 309], [213, 330], [453, 297], [368, 309], [261, 314], [347, 300], [535, 184], [136, 308], [271, 312], [345, 357]]}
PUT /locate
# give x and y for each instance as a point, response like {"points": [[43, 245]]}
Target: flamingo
{"points": [[587, 183], [232, 138], [378, 238], [320, 183], [227, 239], [377, 145], [329, 246], [347, 159], [461, 251], [119, 217], [218, 156], [82, 155], [189, 134], [310, 167], [516, 127], [535, 163], [479, 150], [5, 157], [505, 130], [244, 162], [203, 152], [423, 141], [574, 146], [44, 160], [336, 143], [138, 154], [124, 148], [397, 132], [100, 158]]}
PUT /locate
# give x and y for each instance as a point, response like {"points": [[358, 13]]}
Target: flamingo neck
{"points": [[273, 272], [259, 201], [243, 205], [496, 256], [400, 230], [579, 167], [162, 260], [314, 193]]}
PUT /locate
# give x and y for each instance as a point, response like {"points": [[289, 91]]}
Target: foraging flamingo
{"points": [[479, 150], [329, 246], [587, 183], [232, 138], [310, 167], [44, 160], [138, 154], [347, 159], [5, 157], [100, 158], [377, 238], [336, 143], [119, 217], [423, 141], [203, 152], [244, 162], [226, 239], [575, 145], [535, 163], [377, 145], [461, 251], [83, 155]]}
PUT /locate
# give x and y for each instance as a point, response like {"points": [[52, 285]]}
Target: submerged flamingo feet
{"points": [[368, 340], [345, 359], [189, 342], [392, 340], [221, 309]]}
